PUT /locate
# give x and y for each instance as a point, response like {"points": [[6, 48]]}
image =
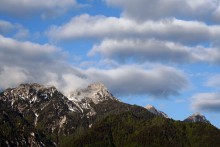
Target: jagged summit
{"points": [[96, 92], [34, 85], [197, 117], [97, 86], [28, 87], [153, 110], [150, 107], [31, 92]]}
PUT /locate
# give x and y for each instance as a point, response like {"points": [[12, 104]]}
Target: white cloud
{"points": [[141, 50], [27, 49], [48, 8], [206, 102], [70, 80], [185, 32], [156, 9], [210, 55], [14, 30], [214, 81], [5, 27], [86, 26], [12, 76], [168, 39], [158, 81], [31, 62]]}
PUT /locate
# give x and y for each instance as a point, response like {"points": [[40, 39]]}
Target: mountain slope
{"points": [[129, 129]]}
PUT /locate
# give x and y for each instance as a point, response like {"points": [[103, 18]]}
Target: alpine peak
{"points": [[150, 107], [30, 92], [197, 117], [97, 86], [153, 110], [96, 92]]}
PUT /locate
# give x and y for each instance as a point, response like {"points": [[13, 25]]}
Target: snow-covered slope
{"points": [[197, 117], [153, 110]]}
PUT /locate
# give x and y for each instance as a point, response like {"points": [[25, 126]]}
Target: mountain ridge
{"points": [[81, 98]]}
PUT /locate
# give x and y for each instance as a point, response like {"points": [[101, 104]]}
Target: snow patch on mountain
{"points": [[36, 118]]}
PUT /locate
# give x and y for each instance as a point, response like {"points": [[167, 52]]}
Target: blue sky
{"points": [[160, 52]]}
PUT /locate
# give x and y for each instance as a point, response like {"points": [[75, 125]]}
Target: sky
{"points": [[160, 52]]}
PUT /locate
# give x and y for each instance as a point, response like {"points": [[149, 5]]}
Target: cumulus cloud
{"points": [[31, 62], [48, 8], [206, 101], [13, 29], [158, 81], [156, 9], [164, 40], [141, 50], [185, 32], [24, 50], [12, 76], [86, 26]]}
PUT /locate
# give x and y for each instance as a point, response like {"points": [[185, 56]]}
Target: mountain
{"points": [[37, 115], [153, 110], [197, 117]]}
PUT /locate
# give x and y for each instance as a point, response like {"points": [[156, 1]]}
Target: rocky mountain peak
{"points": [[30, 88], [32, 85], [153, 110], [96, 93], [28, 92], [97, 86], [150, 107], [197, 117]]}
